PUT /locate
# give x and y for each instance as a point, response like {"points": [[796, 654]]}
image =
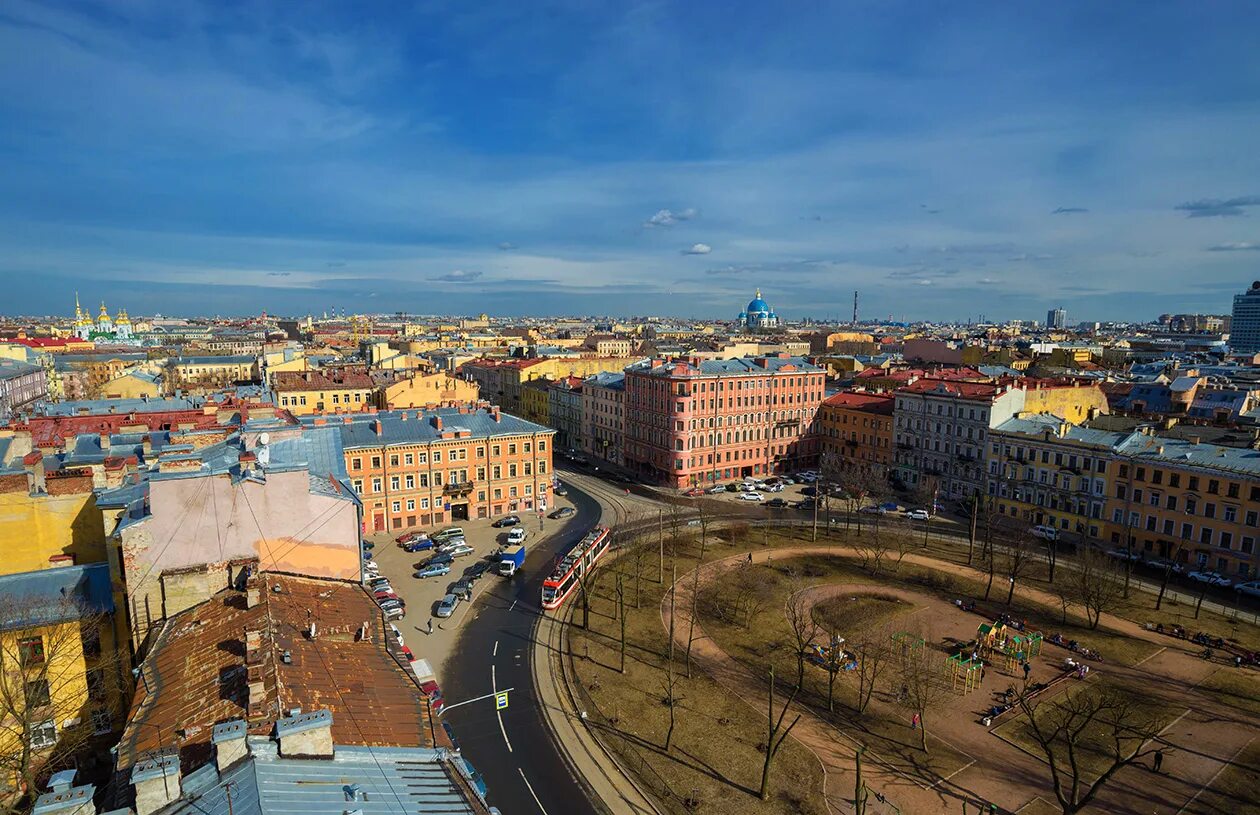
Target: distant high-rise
{"points": [[1244, 328], [1056, 318]]}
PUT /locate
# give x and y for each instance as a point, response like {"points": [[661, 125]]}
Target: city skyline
{"points": [[649, 159]]}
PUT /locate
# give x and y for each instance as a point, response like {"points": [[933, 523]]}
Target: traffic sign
{"points": [[500, 701]]}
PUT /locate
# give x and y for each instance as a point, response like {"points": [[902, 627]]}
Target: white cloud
{"points": [[667, 217], [458, 276], [1237, 246], [698, 249]]}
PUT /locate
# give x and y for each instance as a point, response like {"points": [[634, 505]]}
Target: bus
{"points": [[581, 557]]}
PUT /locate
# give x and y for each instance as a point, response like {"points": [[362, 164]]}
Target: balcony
{"points": [[458, 488]]}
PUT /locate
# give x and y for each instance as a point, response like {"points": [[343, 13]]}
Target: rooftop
{"points": [[423, 426], [868, 402], [738, 366], [197, 673], [323, 379]]}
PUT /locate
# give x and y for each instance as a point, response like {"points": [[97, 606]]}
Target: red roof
{"points": [[332, 379], [946, 387], [47, 342], [866, 402]]}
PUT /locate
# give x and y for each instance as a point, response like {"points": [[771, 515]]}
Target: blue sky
{"points": [[621, 158]]}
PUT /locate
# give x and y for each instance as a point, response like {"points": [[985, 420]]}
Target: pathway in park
{"points": [[1203, 738]]}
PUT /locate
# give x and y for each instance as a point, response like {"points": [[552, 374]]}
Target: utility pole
{"points": [[660, 529]]}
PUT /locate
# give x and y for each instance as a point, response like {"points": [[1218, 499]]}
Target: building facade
{"points": [[1244, 326], [696, 422], [415, 468], [604, 415], [339, 390], [1056, 319], [855, 431], [22, 385], [564, 411]]}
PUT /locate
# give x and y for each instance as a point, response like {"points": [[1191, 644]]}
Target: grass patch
{"points": [[716, 753], [1092, 751], [849, 615], [1240, 689]]}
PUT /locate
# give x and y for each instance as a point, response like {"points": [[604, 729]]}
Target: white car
{"points": [[747, 487], [750, 496], [918, 515], [718, 489], [517, 535], [1210, 577], [807, 478], [460, 551], [1251, 588], [1046, 533]]}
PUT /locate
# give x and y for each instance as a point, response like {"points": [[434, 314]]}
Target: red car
{"points": [[410, 537], [431, 690], [382, 596], [407, 653], [694, 492]]}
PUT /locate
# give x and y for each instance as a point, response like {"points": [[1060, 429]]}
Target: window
{"points": [[1209, 510], [1205, 535], [102, 722], [393, 460], [31, 650], [1191, 505], [1174, 479], [1231, 514], [376, 462], [37, 693], [1232, 490], [356, 464], [43, 734], [395, 506], [1187, 531], [1194, 483], [411, 504], [1172, 502], [377, 485], [1214, 486], [1226, 540]]}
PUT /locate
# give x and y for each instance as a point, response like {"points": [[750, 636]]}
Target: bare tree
{"points": [[801, 622], [1097, 584], [922, 682], [695, 587], [1018, 558], [748, 594], [775, 734], [671, 678], [48, 696], [621, 616], [1077, 728], [871, 549], [872, 651]]}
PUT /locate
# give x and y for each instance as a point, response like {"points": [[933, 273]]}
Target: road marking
{"points": [[495, 652], [512, 606], [498, 713], [531, 791], [1184, 807]]}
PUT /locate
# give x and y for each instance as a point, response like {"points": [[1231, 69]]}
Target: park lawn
{"points": [[883, 726], [1091, 752], [1239, 688], [848, 615], [1234, 790], [715, 754]]}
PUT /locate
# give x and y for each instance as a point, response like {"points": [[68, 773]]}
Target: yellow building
{"points": [[500, 380], [134, 383], [333, 390], [536, 401], [1072, 402], [419, 390], [211, 372]]}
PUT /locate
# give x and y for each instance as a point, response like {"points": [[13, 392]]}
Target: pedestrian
{"points": [[981, 671], [914, 722], [430, 626], [750, 558], [1027, 670], [1159, 760]]}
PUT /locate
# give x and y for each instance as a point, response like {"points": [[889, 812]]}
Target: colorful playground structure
{"points": [[831, 657], [1007, 646], [964, 673]]}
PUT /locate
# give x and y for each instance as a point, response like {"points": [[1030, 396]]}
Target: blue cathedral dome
{"points": [[757, 305]]}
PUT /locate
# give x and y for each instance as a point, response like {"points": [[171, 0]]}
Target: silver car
{"points": [[447, 607]]}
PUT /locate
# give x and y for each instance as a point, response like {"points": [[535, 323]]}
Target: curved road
{"points": [[512, 749]]}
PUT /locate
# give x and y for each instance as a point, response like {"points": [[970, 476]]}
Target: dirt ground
{"points": [[1207, 729]]}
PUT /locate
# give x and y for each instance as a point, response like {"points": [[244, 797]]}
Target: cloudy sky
{"points": [[948, 160]]}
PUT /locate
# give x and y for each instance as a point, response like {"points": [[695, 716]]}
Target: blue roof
{"points": [[391, 780], [238, 359], [12, 368], [55, 595], [736, 366], [122, 406]]}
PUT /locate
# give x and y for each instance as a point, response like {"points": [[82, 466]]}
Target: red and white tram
{"points": [[569, 570]]}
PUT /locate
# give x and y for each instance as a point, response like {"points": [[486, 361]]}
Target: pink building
{"points": [[691, 422], [603, 415]]}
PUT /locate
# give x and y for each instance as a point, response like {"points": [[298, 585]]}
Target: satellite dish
{"points": [[263, 438]]}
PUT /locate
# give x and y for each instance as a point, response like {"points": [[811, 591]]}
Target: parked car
{"points": [[475, 571], [770, 487], [874, 510], [563, 512], [561, 489], [786, 480], [808, 503], [440, 558], [382, 595], [407, 653], [1163, 563], [407, 537], [393, 606], [1210, 577], [447, 533], [890, 506], [776, 503], [1120, 553], [720, 488], [1251, 588], [446, 607], [917, 515], [517, 535], [420, 545], [369, 545], [750, 496], [506, 520], [371, 565], [376, 582], [461, 550], [434, 570], [694, 492], [1046, 533], [747, 486], [810, 491], [396, 634], [451, 543], [434, 693]]}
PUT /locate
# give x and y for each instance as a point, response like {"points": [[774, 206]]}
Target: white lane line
{"points": [[531, 791], [512, 606], [494, 688], [495, 652]]}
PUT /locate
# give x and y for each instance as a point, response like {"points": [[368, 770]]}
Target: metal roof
{"points": [[55, 595], [358, 429]]}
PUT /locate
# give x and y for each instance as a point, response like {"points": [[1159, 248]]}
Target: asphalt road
{"points": [[512, 749]]}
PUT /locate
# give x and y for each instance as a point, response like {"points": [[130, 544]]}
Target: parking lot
{"points": [[422, 595]]}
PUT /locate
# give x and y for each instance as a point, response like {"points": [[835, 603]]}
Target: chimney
{"points": [[66, 800], [146, 445], [496, 413], [376, 426], [253, 646], [403, 416], [156, 782], [437, 422], [252, 596], [306, 734], [1193, 439], [228, 739], [105, 437], [36, 482]]}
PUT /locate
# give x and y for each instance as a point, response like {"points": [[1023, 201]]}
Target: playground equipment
{"points": [[1007, 646], [906, 641], [831, 657], [964, 674]]}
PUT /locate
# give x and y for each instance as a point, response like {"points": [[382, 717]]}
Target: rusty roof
{"points": [[198, 673]]}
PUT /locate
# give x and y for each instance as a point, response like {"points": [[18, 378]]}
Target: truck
{"points": [[511, 559]]}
